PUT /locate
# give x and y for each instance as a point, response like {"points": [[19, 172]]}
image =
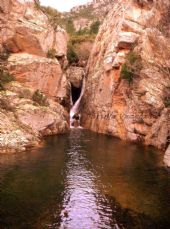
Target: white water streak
{"points": [[75, 109]]}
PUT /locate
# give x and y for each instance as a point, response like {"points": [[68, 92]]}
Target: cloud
{"points": [[64, 5]]}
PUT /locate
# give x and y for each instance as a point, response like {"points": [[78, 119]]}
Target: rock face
{"points": [[137, 110], [23, 121], [83, 50], [39, 73], [26, 34], [24, 28], [28, 37], [75, 76], [167, 157]]}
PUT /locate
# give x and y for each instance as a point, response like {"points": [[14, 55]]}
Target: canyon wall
{"points": [[27, 35], [128, 74], [37, 104]]}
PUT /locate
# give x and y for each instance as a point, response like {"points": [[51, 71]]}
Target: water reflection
{"points": [[84, 181], [81, 204]]}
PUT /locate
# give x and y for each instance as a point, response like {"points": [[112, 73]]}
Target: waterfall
{"points": [[75, 109]]}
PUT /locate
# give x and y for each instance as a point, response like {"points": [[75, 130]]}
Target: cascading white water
{"points": [[75, 109]]}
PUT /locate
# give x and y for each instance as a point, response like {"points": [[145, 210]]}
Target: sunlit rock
{"points": [[133, 106]]}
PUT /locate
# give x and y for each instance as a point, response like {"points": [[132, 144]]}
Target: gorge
{"points": [[85, 115]]}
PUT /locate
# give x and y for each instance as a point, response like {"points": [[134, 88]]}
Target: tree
{"points": [[72, 55], [94, 28]]}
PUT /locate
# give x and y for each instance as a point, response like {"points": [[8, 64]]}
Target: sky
{"points": [[63, 5]]}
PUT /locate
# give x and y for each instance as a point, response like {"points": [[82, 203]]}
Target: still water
{"points": [[83, 180]]}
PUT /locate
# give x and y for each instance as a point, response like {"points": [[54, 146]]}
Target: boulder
{"points": [[75, 76], [39, 73]]}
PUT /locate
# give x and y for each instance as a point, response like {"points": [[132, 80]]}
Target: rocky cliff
{"points": [[128, 81], [26, 34], [35, 55]]}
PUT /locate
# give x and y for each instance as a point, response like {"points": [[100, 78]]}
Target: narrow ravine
{"points": [[75, 109], [84, 180]]}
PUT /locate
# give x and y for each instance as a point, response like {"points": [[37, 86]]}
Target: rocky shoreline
{"points": [[24, 121]]}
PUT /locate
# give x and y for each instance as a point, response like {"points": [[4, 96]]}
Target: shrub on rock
{"points": [[40, 98]]}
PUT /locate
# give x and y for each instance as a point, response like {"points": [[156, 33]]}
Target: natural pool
{"points": [[83, 180]]}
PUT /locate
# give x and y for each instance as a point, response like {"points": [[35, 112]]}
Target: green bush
{"points": [[82, 38], [52, 14], [51, 53], [37, 4], [72, 55], [40, 98], [25, 93], [132, 66], [50, 11], [126, 73], [5, 77], [69, 26], [94, 28], [86, 12], [4, 56], [82, 32], [167, 101], [166, 97], [132, 57]]}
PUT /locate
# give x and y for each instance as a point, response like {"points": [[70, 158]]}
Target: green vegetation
{"points": [[25, 93], [5, 77], [76, 38], [68, 25], [4, 56], [82, 32], [40, 98], [166, 97], [66, 22], [37, 4], [76, 41], [132, 66], [52, 14], [94, 28], [167, 101], [79, 39], [85, 12], [126, 73], [51, 53], [71, 54]]}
